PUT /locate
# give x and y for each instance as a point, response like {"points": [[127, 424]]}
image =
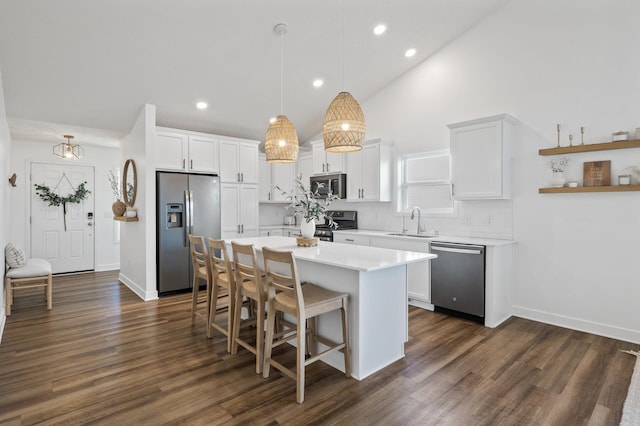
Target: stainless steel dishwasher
{"points": [[457, 279]]}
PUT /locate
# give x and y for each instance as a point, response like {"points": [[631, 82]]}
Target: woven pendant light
{"points": [[344, 127], [281, 140]]}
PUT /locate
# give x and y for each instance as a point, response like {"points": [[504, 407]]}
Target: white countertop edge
{"points": [[348, 256], [441, 238], [291, 227]]}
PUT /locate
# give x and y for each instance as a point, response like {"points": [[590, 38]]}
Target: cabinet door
{"points": [[203, 154], [370, 173], [171, 150], [229, 161], [319, 158], [480, 158], [335, 162], [264, 180], [282, 176], [304, 168], [248, 162], [248, 210], [355, 163], [229, 210]]}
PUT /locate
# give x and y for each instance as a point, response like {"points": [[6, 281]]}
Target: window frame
{"points": [[404, 186]]}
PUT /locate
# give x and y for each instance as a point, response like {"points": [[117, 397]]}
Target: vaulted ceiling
{"points": [[89, 66]]}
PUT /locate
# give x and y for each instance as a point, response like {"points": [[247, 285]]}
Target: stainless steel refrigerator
{"points": [[186, 204]]}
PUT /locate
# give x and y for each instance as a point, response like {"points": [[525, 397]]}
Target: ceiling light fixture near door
{"points": [[68, 150], [281, 141], [344, 127]]}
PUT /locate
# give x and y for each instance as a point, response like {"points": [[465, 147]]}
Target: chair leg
{"points": [[236, 322], [268, 343], [230, 312], [9, 295], [49, 292], [213, 305], [259, 337], [300, 359], [313, 341], [345, 337], [194, 299]]}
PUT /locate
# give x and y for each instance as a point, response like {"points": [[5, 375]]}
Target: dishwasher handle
{"points": [[464, 250]]}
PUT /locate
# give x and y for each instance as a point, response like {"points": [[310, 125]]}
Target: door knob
{"points": [[90, 223]]}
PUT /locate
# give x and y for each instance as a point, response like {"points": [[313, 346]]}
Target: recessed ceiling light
{"points": [[410, 52], [202, 105], [272, 120], [318, 82], [380, 29]]}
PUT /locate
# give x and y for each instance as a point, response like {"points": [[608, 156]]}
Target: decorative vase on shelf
{"points": [[307, 229], [557, 179], [118, 208]]}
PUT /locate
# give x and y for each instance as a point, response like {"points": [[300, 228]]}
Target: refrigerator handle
{"points": [[190, 212], [187, 215]]}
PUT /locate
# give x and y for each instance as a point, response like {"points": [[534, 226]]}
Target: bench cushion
{"points": [[31, 268]]}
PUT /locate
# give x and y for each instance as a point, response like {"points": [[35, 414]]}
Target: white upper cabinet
{"points": [[326, 162], [183, 151], [304, 167], [481, 158], [369, 172], [280, 175], [239, 161]]}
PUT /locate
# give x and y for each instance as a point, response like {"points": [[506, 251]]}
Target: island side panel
{"points": [[378, 321]]}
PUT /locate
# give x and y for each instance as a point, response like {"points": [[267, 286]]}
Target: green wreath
{"points": [[46, 195]]}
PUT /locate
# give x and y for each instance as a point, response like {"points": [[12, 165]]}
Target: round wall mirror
{"points": [[129, 182]]}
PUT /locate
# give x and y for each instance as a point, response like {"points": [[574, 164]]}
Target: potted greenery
{"points": [[118, 207], [310, 205]]}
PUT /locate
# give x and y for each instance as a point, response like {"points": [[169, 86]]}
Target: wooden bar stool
{"points": [[249, 284], [222, 279], [201, 271], [304, 302]]}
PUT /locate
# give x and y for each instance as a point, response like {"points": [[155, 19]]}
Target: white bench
{"points": [[34, 273]]}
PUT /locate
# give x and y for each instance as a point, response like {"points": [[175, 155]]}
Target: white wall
{"points": [[138, 239], [5, 190], [545, 62], [102, 159]]}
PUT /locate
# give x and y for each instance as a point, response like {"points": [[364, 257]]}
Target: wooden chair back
{"points": [[282, 276], [199, 256], [221, 265]]}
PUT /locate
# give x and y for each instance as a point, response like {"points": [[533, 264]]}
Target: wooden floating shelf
{"points": [[591, 147], [565, 189], [125, 218]]}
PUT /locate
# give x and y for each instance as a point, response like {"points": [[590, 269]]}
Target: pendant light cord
{"points": [[344, 19], [282, 72]]}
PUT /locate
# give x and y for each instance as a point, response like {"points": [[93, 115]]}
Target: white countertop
{"points": [[444, 238], [348, 256]]}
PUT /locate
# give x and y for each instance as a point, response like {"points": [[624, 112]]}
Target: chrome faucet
{"points": [[413, 211]]}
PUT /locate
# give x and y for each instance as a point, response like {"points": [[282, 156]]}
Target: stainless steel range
{"points": [[345, 219]]}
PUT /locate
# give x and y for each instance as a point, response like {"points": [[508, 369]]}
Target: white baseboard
{"points": [[420, 304], [3, 321], [142, 294], [628, 335], [108, 267]]}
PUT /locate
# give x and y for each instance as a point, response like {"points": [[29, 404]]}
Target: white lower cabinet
{"points": [[418, 274], [238, 210]]}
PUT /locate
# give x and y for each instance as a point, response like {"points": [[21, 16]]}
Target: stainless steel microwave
{"points": [[335, 184]]}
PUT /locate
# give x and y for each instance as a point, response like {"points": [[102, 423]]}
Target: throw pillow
{"points": [[14, 256]]}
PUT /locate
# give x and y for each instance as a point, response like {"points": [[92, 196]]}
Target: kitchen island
{"points": [[376, 281]]}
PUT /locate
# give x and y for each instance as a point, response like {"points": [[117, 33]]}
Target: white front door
{"points": [[71, 249]]}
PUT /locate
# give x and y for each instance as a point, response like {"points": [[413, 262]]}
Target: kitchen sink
{"points": [[404, 234]]}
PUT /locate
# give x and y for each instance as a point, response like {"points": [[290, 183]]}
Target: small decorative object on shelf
{"points": [[597, 173], [637, 132], [558, 129], [570, 139], [582, 135], [131, 212], [572, 184], [558, 166], [624, 180], [620, 136]]}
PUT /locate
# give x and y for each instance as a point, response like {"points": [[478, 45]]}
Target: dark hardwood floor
{"points": [[103, 356]]}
